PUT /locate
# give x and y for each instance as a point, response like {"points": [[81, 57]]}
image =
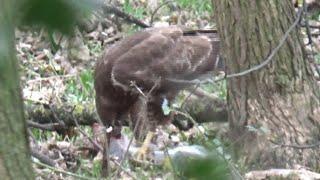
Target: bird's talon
{"points": [[142, 154]]}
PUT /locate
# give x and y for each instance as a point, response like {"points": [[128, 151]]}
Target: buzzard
{"points": [[154, 65]]}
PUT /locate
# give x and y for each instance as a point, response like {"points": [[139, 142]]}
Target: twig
{"points": [[166, 152], [113, 39], [296, 146], [310, 26], [33, 138], [189, 95], [47, 127], [157, 9], [62, 124], [43, 158], [155, 85], [201, 93], [193, 82], [192, 120], [132, 83], [128, 147], [146, 96], [144, 100], [314, 64], [94, 143], [125, 16], [62, 171], [304, 6], [187, 116], [301, 173], [255, 68], [234, 169], [97, 145], [123, 169], [50, 78], [307, 25], [103, 149], [105, 165], [273, 52]]}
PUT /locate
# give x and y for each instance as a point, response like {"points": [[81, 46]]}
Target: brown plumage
{"points": [[145, 58]]}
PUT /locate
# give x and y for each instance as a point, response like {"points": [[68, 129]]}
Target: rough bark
{"points": [[14, 153], [279, 103]]}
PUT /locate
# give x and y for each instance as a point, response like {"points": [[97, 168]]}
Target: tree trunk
{"points": [[278, 104], [14, 153]]}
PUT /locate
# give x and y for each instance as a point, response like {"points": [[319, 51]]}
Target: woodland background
{"points": [[56, 62]]}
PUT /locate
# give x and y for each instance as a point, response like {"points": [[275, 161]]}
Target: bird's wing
{"points": [[191, 57], [167, 54]]}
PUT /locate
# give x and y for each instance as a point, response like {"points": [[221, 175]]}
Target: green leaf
{"points": [[86, 80], [211, 167], [59, 15]]}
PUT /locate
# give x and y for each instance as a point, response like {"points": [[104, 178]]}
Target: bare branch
{"points": [[47, 127], [273, 52], [255, 68], [129, 18], [101, 149], [157, 9], [62, 171], [132, 83], [43, 158]]}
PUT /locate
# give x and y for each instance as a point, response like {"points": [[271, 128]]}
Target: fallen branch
{"points": [[62, 171], [47, 126], [127, 17], [296, 146], [282, 174], [113, 39], [157, 9], [202, 106], [43, 158], [42, 117]]}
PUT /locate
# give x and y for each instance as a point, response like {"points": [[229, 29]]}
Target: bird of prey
{"points": [[137, 75]]}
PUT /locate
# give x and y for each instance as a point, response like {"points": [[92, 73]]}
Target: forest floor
{"points": [[56, 69]]}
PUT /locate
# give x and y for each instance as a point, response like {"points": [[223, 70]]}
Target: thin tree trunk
{"points": [[278, 104], [14, 153]]}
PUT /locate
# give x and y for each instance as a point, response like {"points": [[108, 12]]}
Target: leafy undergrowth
{"points": [[56, 69]]}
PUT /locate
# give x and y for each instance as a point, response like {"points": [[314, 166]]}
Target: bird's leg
{"points": [[141, 155], [105, 170]]}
